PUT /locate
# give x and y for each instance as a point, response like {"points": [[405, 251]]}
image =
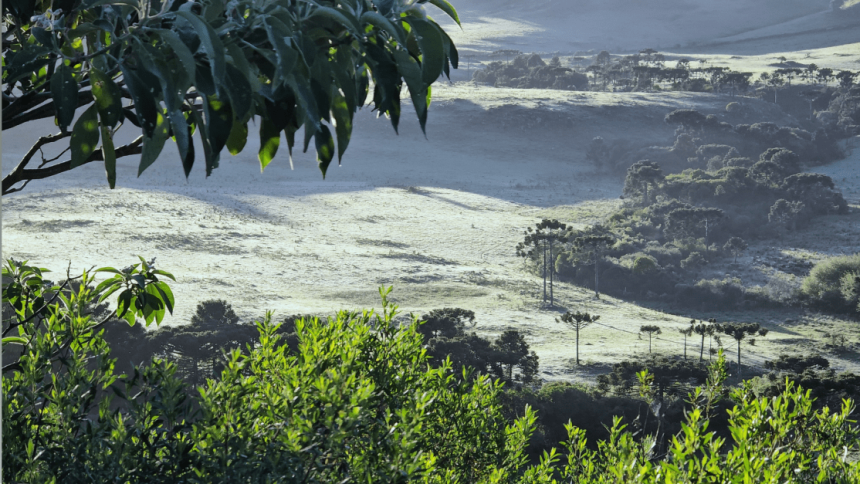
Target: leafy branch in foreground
{"points": [[174, 69]]}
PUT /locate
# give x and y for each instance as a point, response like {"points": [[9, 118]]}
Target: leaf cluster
{"points": [[174, 69]]}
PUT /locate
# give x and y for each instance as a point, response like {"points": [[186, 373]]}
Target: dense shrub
{"points": [[825, 283], [814, 374], [716, 293], [583, 406]]}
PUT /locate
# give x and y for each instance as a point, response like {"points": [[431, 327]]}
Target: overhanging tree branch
{"points": [[21, 174], [34, 110]]}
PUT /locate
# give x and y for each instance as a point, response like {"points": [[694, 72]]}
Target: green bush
{"points": [[825, 284], [644, 264]]}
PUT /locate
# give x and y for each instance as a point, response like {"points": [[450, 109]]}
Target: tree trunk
{"points": [[551, 270], [596, 278], [702, 350], [577, 345], [649, 343], [739, 357], [685, 346], [544, 273]]}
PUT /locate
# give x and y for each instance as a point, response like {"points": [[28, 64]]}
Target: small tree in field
{"points": [[703, 329], [593, 248], [739, 332], [651, 330], [578, 321], [512, 351], [597, 153], [736, 246], [541, 241], [686, 332]]}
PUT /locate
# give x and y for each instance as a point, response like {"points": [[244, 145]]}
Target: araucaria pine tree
{"points": [[651, 330], [578, 321]]}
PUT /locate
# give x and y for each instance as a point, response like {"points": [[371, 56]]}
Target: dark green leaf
{"points": [[287, 57], [344, 71], [238, 137], [144, 100], [204, 81], [183, 53], [453, 54], [239, 60], [270, 139], [64, 91], [432, 49], [123, 303], [153, 145], [343, 124], [166, 295], [336, 16], [165, 274], [321, 91], [85, 136], [446, 7], [377, 20], [219, 122], [108, 98], [211, 43], [109, 155], [43, 36], [209, 156], [325, 148], [186, 143], [239, 92]]}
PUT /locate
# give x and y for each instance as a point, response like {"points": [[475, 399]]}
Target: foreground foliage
{"points": [[355, 401]]}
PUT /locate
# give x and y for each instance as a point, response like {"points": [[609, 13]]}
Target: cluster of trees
{"points": [[704, 142], [673, 225], [508, 359], [356, 400], [648, 70], [530, 71]]}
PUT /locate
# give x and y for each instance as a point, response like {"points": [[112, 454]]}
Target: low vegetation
{"points": [[359, 398]]}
